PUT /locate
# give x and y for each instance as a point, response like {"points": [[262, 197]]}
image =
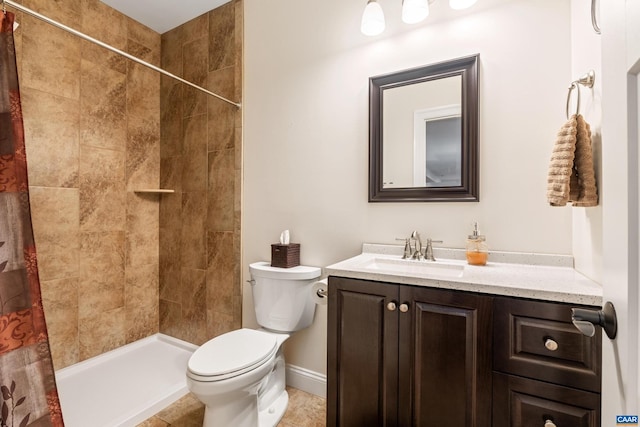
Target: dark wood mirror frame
{"points": [[468, 191]]}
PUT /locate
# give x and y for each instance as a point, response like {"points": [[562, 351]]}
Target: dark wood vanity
{"points": [[402, 355]]}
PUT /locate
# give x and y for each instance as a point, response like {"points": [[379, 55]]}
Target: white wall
{"points": [[306, 132]]}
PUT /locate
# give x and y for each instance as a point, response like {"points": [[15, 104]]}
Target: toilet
{"points": [[240, 375]]}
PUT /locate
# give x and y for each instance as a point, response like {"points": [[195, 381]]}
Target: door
{"points": [[619, 197], [445, 358], [362, 364]]}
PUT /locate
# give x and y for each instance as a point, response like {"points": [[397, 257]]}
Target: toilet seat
{"points": [[231, 354]]}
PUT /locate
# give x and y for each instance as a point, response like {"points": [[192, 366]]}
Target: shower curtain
{"points": [[28, 395]]}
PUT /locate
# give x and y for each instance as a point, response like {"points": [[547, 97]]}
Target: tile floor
{"points": [[305, 410]]}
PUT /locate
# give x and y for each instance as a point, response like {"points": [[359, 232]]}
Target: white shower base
{"points": [[124, 387]]}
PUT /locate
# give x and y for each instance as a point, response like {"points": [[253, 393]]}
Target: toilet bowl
{"points": [[240, 375]]}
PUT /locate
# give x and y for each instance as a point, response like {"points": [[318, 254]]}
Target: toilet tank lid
{"points": [[301, 272]]}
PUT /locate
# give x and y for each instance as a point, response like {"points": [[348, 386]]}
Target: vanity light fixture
{"points": [[372, 19], [413, 11]]}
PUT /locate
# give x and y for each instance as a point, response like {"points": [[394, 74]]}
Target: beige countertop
{"points": [[534, 276]]}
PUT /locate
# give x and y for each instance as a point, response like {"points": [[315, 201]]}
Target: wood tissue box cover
{"points": [[285, 256]]}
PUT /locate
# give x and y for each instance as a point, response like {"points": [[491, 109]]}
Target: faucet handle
{"points": [[428, 251], [408, 252]]}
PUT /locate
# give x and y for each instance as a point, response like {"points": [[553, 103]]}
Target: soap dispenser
{"points": [[477, 251]]}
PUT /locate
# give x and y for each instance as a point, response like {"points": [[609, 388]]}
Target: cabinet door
{"points": [[362, 362], [445, 359]]}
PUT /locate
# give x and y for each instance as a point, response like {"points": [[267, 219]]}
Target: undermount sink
{"points": [[408, 267]]}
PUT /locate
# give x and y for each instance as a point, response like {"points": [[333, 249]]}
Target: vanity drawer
{"points": [[521, 402], [537, 340]]}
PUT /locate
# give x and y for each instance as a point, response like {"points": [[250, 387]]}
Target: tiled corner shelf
{"points": [[153, 190]]}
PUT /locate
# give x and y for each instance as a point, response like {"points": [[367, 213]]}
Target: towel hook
{"points": [[586, 80]]}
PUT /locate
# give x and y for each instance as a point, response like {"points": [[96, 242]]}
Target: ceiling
{"points": [[164, 15]]}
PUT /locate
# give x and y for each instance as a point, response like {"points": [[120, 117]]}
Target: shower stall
{"points": [[119, 263]]}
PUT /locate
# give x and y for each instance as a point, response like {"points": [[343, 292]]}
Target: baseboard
{"points": [[306, 380]]}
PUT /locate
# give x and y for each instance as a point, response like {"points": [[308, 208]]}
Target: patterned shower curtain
{"points": [[28, 395]]}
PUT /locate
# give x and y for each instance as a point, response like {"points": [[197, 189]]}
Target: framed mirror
{"points": [[423, 133]]}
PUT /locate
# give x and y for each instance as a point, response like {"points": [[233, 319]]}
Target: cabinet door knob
{"points": [[551, 345], [391, 306], [404, 308], [549, 423]]}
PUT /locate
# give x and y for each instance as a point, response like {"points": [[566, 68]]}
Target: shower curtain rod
{"points": [[112, 49]]}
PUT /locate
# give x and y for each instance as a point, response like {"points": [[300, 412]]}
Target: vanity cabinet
{"points": [[546, 372], [402, 355]]}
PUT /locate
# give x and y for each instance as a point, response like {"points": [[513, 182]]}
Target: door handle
{"points": [[586, 320]]}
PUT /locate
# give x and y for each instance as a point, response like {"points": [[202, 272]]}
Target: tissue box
{"points": [[285, 256]]}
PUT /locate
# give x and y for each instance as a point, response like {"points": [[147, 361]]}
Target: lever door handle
{"points": [[586, 320]]}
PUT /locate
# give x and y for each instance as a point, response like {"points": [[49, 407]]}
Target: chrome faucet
{"points": [[415, 251]]}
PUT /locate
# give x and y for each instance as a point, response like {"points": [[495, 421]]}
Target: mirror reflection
{"points": [[423, 133], [422, 130]]}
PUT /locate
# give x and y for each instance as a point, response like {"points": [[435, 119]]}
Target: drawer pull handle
{"points": [[391, 306], [404, 308], [549, 423], [551, 345]]}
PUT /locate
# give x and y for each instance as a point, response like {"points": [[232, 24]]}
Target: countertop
{"points": [[534, 276]]}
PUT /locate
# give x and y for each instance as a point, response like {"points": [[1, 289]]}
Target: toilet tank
{"points": [[282, 296]]}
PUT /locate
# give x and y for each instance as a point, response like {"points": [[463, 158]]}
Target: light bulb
{"points": [[414, 11], [372, 19], [461, 4]]}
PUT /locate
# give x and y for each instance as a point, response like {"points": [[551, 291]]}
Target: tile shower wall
{"points": [[92, 123], [200, 291]]}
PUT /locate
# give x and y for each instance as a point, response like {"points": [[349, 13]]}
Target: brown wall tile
{"points": [[67, 12], [141, 302], [102, 189], [171, 55], [194, 305], [170, 314], [222, 37], [60, 302], [51, 59], [195, 29], [193, 251], [221, 272], [103, 107], [194, 166], [102, 332], [171, 118], [146, 37], [95, 15], [55, 214], [142, 237], [221, 190], [51, 125], [102, 272]]}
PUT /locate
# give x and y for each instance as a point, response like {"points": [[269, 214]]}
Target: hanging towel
{"points": [[571, 177]]}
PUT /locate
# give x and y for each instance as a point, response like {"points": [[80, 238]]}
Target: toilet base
{"points": [[271, 415]]}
